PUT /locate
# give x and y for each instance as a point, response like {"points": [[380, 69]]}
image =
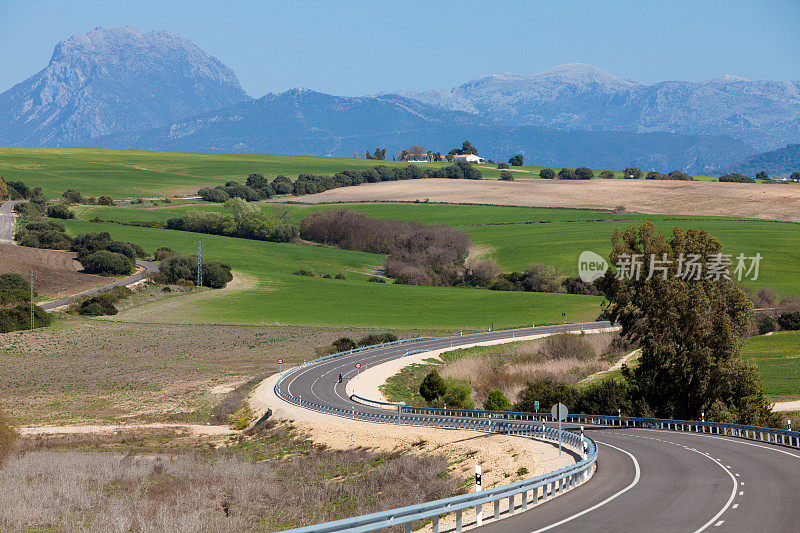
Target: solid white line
{"points": [[613, 496]]}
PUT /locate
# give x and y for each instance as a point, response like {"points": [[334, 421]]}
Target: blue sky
{"points": [[356, 48]]}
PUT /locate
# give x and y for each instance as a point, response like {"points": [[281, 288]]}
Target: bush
{"points": [[216, 194], [541, 278], [304, 272], [584, 173], [282, 185], [736, 178], [19, 318], [124, 248], [49, 235], [182, 270], [764, 323], [72, 196], [376, 338], [285, 233], [97, 306], [496, 401], [458, 396], [164, 253], [789, 321], [216, 274], [343, 344], [653, 175], [516, 161], [607, 397], [547, 173], [567, 346], [548, 393], [680, 175], [89, 243], [505, 175], [14, 288], [432, 387], [105, 263], [502, 166], [376, 279], [107, 200], [633, 173], [607, 175], [567, 174], [340, 275], [60, 210]]}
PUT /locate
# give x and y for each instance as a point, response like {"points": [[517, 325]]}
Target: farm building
{"points": [[469, 158]]}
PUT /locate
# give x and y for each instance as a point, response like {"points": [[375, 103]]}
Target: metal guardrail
{"points": [[375, 403], [530, 491], [771, 435]]}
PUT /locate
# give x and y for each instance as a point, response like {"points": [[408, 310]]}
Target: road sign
{"points": [[358, 365], [536, 405], [280, 361], [559, 412]]}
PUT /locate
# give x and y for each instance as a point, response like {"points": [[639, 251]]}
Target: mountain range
{"points": [[124, 88]]}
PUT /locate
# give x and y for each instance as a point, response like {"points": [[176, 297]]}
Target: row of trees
{"points": [[179, 269], [241, 220]]}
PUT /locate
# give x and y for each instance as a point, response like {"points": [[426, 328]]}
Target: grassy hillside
{"points": [[132, 173], [778, 360]]}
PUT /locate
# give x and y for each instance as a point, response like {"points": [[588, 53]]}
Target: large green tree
{"points": [[689, 327]]}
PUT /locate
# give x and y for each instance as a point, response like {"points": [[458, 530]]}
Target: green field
{"points": [[778, 360], [134, 173]]}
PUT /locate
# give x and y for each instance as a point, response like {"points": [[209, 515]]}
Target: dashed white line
{"points": [[719, 523]]}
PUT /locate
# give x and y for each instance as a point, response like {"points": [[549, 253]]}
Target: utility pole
{"points": [[199, 282], [33, 304]]}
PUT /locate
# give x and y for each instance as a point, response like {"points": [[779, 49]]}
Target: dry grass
{"points": [[56, 272], [766, 201], [509, 367], [275, 481], [90, 371]]}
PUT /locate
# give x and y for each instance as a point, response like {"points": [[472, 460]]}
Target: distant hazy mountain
{"points": [[781, 162], [301, 121], [765, 114], [112, 80]]}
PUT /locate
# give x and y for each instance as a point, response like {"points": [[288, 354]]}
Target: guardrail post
{"points": [[408, 527], [497, 509], [459, 521], [511, 505], [524, 500], [435, 525]]}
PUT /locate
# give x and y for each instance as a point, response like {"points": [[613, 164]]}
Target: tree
{"points": [[790, 320], [496, 401], [502, 166], [505, 175], [607, 175], [584, 173], [762, 175], [632, 173], [449, 158], [467, 148], [547, 392], [458, 396], [689, 330], [736, 178], [60, 210], [539, 277], [516, 161], [432, 387], [105, 263], [607, 397], [567, 174], [72, 196], [547, 173], [795, 176]]}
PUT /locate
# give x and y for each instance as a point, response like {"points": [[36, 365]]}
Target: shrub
{"points": [[376, 338], [764, 323], [736, 178], [539, 277], [502, 166], [496, 401], [505, 175], [285, 233], [282, 185], [458, 396], [343, 344], [124, 248], [584, 173], [548, 393], [107, 200], [19, 318], [72, 196], [89, 243], [340, 275], [216, 194], [653, 175], [182, 270], [607, 397], [164, 253], [216, 274], [567, 346], [567, 174], [97, 306], [376, 279], [60, 210], [432, 387], [304, 272], [547, 173], [516, 161], [14, 288], [607, 175], [50, 235], [632, 173], [789, 321], [105, 263], [680, 175]]}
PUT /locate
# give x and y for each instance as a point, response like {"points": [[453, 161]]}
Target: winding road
{"points": [[646, 480], [7, 237]]}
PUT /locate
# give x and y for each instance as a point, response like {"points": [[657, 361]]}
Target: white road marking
{"points": [[741, 493], [735, 506], [719, 523], [612, 497]]}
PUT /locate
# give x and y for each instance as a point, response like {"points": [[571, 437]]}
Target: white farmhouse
{"points": [[469, 158]]}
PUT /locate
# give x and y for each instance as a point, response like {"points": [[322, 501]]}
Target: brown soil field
{"points": [[98, 371], [56, 272], [766, 201]]}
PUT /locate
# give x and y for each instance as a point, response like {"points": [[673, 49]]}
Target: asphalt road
{"points": [[7, 221], [646, 480]]}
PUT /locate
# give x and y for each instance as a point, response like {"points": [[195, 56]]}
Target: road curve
{"points": [[646, 480], [7, 221]]}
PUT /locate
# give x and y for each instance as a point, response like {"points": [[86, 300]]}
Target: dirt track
{"points": [[766, 201]]}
